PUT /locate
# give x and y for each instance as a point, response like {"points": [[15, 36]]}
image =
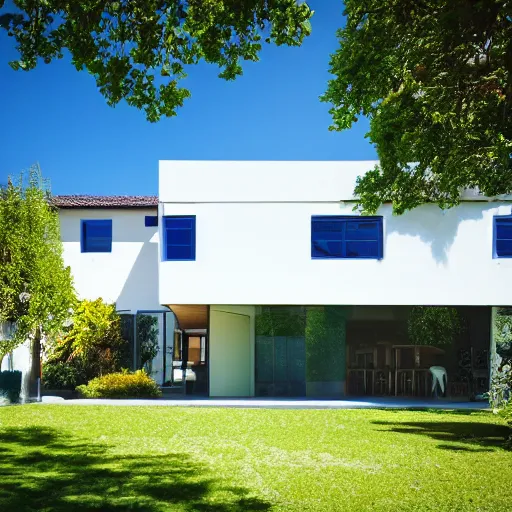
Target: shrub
{"points": [[59, 375], [500, 390], [10, 385], [503, 332], [93, 345], [501, 382], [506, 414], [121, 385]]}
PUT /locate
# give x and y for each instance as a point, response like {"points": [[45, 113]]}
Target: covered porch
{"points": [[190, 350], [324, 351], [373, 351], [391, 351]]}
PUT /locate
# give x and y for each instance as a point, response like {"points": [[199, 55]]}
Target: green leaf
{"points": [[414, 74], [113, 40]]}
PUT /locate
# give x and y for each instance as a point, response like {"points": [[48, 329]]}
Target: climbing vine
{"points": [[433, 325]]}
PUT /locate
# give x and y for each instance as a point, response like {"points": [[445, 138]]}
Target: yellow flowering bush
{"points": [[121, 385]]}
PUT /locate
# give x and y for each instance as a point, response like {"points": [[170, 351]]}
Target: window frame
{"points": [[193, 238], [83, 237], [345, 219], [151, 221], [495, 221]]}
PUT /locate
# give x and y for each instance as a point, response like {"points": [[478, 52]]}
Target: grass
{"points": [[80, 458]]}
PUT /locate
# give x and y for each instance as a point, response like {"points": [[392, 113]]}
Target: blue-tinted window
{"points": [[334, 236], [179, 238], [503, 237], [151, 220], [96, 235]]}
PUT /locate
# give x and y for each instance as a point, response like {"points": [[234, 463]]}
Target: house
{"points": [[266, 282]]}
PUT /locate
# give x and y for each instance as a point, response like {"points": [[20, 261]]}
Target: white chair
{"points": [[439, 376]]}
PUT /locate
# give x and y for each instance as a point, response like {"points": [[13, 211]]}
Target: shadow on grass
{"points": [[43, 469], [478, 436], [423, 410]]}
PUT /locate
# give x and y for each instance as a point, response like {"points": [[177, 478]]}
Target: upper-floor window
{"points": [[179, 238], [337, 236], [96, 235], [151, 220], [502, 236]]}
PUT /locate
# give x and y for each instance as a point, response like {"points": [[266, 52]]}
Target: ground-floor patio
{"points": [[324, 351], [283, 403]]}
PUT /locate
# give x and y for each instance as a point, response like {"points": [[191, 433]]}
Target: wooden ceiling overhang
{"points": [[190, 316]]}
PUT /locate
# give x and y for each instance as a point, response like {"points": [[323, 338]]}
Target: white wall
{"points": [[250, 252], [183, 181], [193, 181], [231, 351], [128, 275]]}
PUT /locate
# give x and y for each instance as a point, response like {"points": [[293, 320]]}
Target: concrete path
{"points": [[264, 403]]}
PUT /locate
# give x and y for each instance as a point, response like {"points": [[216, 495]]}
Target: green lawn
{"points": [[76, 458]]}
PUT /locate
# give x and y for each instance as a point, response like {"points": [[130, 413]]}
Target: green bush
{"points": [[506, 414], [503, 332], [121, 385], [59, 375], [10, 385], [501, 383], [93, 345], [499, 394]]}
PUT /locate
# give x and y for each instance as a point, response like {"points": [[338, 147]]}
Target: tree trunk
{"points": [[35, 363]]}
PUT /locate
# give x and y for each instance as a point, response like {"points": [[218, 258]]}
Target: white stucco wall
{"points": [[231, 350], [253, 229], [128, 275], [193, 181], [183, 181]]}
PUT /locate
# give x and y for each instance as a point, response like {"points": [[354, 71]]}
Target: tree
{"points": [[137, 50], [36, 290], [435, 79]]}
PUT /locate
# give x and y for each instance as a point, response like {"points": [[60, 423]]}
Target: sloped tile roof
{"points": [[82, 201]]}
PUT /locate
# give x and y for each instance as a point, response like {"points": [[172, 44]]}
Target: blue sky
{"points": [[55, 116]]}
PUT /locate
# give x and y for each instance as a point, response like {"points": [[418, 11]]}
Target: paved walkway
{"points": [[264, 403]]}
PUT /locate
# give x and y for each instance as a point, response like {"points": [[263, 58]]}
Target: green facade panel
{"points": [[300, 350]]}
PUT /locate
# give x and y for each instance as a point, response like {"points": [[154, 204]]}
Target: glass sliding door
{"points": [[300, 350], [154, 343], [280, 351]]}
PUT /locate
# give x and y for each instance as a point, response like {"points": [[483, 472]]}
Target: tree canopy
{"points": [[435, 79], [138, 50], [36, 288], [433, 76]]}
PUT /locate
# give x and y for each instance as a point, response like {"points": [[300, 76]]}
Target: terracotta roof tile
{"points": [[81, 201]]}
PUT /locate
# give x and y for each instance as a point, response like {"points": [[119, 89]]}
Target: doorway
{"points": [[190, 361]]}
